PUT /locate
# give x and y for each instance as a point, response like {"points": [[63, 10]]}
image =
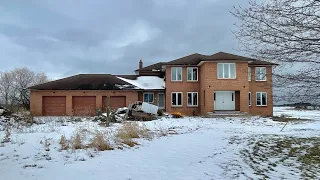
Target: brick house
{"points": [[194, 84]]}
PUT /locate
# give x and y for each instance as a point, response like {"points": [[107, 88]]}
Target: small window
{"points": [[226, 70], [176, 99], [249, 73], [176, 74], [261, 99], [148, 97], [249, 98], [192, 73], [192, 99], [261, 73]]}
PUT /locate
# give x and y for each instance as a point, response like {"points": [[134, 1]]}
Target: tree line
{"points": [[14, 86]]}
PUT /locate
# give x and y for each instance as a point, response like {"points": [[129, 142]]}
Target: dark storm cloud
{"points": [[77, 36]]}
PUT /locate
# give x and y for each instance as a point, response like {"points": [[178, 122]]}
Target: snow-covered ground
{"points": [[193, 148]]}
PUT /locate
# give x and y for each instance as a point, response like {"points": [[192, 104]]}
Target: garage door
{"points": [[53, 105], [115, 102], [84, 105]]}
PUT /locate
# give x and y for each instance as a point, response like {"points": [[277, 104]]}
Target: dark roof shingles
{"points": [[86, 82]]}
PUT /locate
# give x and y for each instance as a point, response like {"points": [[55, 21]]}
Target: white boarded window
{"points": [[261, 98], [192, 99], [176, 74], [261, 73], [176, 99], [192, 73], [226, 70]]}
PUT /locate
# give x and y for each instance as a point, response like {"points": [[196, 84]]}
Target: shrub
{"points": [[76, 142], [100, 142], [64, 143], [130, 142], [7, 134]]}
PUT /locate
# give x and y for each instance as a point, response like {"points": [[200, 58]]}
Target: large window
{"points": [[261, 73], [176, 99], [192, 99], [249, 73], [226, 70], [148, 97], [249, 98], [261, 98], [192, 73], [176, 74]]}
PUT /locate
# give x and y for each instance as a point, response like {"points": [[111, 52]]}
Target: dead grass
{"points": [[46, 143], [76, 142], [100, 142], [285, 118], [7, 135], [131, 130], [129, 142], [64, 143]]}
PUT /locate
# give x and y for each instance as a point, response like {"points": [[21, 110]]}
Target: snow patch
{"points": [[146, 82]]}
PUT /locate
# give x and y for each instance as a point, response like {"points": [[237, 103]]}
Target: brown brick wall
{"points": [[181, 86], [36, 98], [261, 86]]}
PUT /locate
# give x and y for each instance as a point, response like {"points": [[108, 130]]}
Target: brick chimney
{"points": [[140, 64]]}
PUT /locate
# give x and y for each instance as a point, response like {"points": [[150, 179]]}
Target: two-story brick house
{"points": [[195, 84]]}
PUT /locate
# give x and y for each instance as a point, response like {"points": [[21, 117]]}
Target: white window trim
{"points": [[192, 74], [148, 93], [256, 73], [250, 101], [192, 99], [177, 99], [164, 95], [249, 73], [261, 99], [176, 74], [235, 70]]}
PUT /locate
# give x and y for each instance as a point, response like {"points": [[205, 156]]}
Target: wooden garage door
{"points": [[84, 105], [54, 106], [115, 102]]}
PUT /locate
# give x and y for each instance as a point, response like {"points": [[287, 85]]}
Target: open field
{"points": [[188, 148]]}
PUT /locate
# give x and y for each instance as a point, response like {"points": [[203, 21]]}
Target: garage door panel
{"points": [[84, 105], [54, 105], [115, 102]]}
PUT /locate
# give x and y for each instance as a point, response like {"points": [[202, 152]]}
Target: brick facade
{"points": [[36, 98]]}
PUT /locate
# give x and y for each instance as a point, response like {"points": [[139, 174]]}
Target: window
{"points": [[176, 99], [148, 97], [261, 99], [249, 73], [176, 74], [192, 99], [226, 70], [192, 73], [261, 73], [249, 98]]}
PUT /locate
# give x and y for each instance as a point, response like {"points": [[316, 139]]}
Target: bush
{"points": [[76, 142], [100, 142], [132, 130], [64, 143]]}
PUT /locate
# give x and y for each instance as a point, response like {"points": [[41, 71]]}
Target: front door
{"points": [[161, 101], [224, 100]]}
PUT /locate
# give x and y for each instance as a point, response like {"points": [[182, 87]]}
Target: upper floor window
{"points": [[192, 73], [148, 97], [226, 70], [261, 73], [261, 98], [176, 74], [192, 99], [249, 73]]}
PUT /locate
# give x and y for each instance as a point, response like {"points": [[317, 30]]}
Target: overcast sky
{"points": [[66, 37]]}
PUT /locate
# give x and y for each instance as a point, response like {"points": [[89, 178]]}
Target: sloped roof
{"points": [[147, 82], [87, 82], [156, 66], [196, 58]]}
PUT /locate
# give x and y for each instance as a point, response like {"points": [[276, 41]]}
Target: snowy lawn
{"points": [[187, 148]]}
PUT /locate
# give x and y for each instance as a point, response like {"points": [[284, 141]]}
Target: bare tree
{"points": [[288, 33], [14, 85]]}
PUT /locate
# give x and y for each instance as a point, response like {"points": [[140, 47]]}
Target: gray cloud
{"points": [[63, 38]]}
